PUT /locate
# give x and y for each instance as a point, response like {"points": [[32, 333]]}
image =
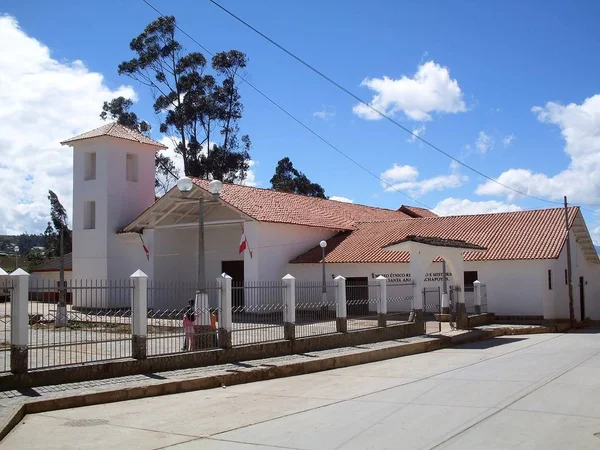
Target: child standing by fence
{"points": [[189, 317]]}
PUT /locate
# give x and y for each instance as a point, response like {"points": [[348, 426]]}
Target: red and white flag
{"points": [[244, 243], [146, 251]]}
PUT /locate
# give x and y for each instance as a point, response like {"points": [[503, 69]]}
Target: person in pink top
{"points": [[189, 317]]}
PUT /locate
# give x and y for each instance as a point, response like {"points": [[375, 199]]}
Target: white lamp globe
{"points": [[185, 184], [323, 244], [215, 187]]}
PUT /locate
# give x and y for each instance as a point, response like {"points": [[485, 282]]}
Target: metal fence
{"points": [[315, 311], [94, 323], [186, 319], [470, 301], [361, 305], [400, 301], [257, 311], [5, 296], [484, 300]]}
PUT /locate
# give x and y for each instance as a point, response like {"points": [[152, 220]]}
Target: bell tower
{"points": [[113, 182]]}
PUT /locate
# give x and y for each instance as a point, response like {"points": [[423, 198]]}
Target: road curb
{"points": [[250, 376]]}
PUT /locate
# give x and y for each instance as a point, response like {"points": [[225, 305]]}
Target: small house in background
{"points": [[47, 275]]}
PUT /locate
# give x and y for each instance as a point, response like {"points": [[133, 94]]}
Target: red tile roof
{"points": [[537, 234], [439, 242], [117, 131], [413, 211], [267, 205]]}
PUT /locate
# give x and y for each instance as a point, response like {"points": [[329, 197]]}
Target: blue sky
{"points": [[473, 72]]}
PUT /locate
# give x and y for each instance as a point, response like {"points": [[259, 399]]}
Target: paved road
{"points": [[539, 391]]}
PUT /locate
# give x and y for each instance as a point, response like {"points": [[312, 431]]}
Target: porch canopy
{"points": [[424, 250]]}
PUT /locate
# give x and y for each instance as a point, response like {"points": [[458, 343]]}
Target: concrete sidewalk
{"points": [[537, 391], [15, 404]]}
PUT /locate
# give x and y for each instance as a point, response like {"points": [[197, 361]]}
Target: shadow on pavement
{"points": [[490, 343]]}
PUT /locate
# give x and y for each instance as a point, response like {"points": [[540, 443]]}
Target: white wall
{"points": [[100, 253], [275, 245], [47, 279], [513, 287], [558, 298], [176, 252]]}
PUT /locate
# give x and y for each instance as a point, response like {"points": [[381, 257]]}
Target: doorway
{"points": [[357, 296], [582, 298], [235, 269]]}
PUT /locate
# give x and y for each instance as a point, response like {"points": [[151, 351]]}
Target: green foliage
{"points": [[35, 257], [289, 179], [58, 214], [199, 109]]}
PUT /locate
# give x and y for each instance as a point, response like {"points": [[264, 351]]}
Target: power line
{"points": [[294, 118], [385, 116]]}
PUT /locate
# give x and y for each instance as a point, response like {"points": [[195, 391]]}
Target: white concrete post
{"points": [[139, 319], [224, 282], [477, 293], [340, 297], [289, 318], [19, 321], [202, 309], [382, 306]]}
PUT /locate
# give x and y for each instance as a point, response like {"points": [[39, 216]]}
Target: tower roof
{"points": [[117, 131]]}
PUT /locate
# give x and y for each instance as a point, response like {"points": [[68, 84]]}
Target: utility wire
{"points": [[294, 118], [385, 116]]}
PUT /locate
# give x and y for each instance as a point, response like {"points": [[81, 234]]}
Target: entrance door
{"points": [[357, 296], [582, 298], [235, 269]]}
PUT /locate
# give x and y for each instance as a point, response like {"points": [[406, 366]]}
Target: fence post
{"points": [[289, 311], [477, 293], [19, 321], [139, 320], [462, 318], [225, 311], [340, 297], [382, 306]]}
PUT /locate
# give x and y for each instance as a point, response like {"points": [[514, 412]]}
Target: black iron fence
{"points": [[257, 314], [84, 321], [315, 309]]}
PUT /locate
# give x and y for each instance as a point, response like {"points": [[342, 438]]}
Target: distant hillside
{"points": [[25, 242], [597, 248]]}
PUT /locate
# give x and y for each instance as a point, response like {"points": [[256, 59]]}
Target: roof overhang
{"points": [[174, 210], [584, 239]]}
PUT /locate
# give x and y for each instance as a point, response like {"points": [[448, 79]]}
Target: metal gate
{"points": [[432, 309]]}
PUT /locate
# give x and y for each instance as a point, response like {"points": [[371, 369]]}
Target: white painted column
{"points": [[139, 320], [19, 321], [382, 306], [225, 321], [340, 297], [289, 319], [477, 294]]}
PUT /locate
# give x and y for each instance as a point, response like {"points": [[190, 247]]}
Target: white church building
{"points": [[520, 256]]}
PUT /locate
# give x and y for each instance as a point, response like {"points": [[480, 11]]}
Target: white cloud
{"points": [[508, 140], [430, 90], [341, 199], [405, 178], [398, 173], [580, 181], [327, 112], [43, 102], [250, 179], [417, 132], [484, 142], [456, 206]]}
